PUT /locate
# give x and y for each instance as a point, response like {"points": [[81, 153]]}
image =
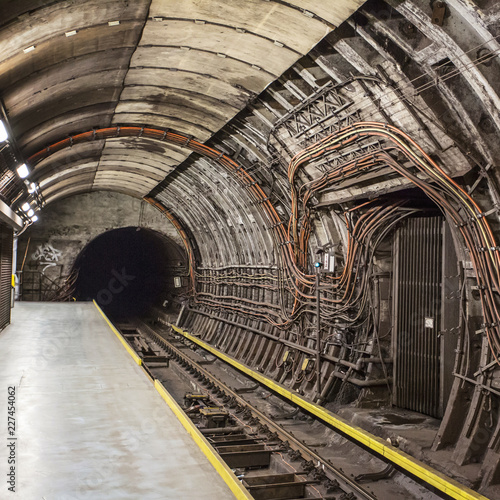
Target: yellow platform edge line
{"points": [[441, 482], [220, 466], [134, 355], [239, 491]]}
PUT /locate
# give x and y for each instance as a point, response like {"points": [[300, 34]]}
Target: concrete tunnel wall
{"points": [[71, 225]]}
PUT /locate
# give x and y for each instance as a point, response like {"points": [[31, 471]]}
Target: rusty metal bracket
{"points": [[438, 13]]}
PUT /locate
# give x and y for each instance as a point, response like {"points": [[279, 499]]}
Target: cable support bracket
{"points": [[484, 327], [280, 223]]}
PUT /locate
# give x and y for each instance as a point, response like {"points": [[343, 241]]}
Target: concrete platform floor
{"points": [[89, 423]]}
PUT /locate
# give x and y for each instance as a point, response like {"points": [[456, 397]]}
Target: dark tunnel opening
{"points": [[128, 270]]}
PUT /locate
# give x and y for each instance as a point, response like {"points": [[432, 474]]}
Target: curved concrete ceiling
{"points": [[190, 66]]}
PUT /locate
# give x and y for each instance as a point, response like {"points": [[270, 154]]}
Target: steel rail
{"points": [[306, 452], [376, 445]]}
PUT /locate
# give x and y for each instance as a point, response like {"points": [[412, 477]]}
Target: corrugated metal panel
{"points": [[417, 310], [6, 236]]}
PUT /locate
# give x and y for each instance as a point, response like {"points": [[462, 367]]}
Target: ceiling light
{"points": [[26, 207], [3, 132], [70, 33], [22, 171], [29, 49], [32, 188], [30, 213], [34, 218], [113, 23]]}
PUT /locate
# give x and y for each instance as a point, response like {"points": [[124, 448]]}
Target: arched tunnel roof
{"points": [[198, 104], [284, 138], [68, 67]]}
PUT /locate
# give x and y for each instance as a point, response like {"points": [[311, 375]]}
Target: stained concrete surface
{"points": [[62, 232], [89, 424]]}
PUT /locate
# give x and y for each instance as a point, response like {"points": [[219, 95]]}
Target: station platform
{"points": [[89, 424]]}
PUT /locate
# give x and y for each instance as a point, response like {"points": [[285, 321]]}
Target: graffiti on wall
{"points": [[46, 255]]}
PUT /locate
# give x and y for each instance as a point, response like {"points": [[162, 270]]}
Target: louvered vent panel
{"points": [[417, 309]]}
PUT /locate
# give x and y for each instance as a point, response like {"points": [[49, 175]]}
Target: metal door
{"points": [[6, 240], [417, 314]]}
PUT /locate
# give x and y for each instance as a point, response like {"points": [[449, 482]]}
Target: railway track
{"points": [[265, 441]]}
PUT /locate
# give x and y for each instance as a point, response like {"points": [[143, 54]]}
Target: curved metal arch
{"points": [[251, 235], [225, 241], [242, 243], [168, 136]]}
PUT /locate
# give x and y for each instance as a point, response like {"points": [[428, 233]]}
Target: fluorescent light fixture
{"points": [[29, 49], [3, 132], [22, 171], [34, 218], [30, 213], [113, 23], [71, 33], [26, 207]]}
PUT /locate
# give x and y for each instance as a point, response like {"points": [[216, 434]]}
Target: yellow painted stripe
{"points": [[239, 491], [443, 483], [220, 466], [134, 355]]}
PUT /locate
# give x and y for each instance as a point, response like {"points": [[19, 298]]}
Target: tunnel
{"points": [[127, 271], [310, 190]]}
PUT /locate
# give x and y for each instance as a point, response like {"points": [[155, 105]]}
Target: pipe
{"points": [[318, 335]]}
